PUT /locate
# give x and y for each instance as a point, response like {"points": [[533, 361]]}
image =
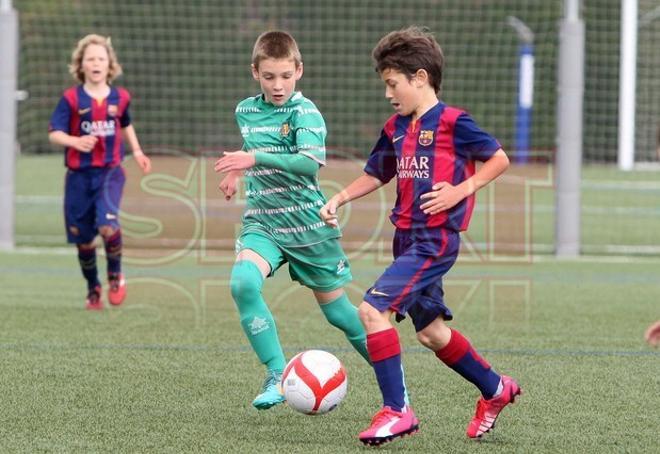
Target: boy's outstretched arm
{"points": [[131, 137], [297, 164], [360, 187], [444, 195]]}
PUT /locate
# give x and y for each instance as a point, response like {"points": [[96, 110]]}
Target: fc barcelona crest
{"points": [[426, 137], [285, 129], [112, 110]]}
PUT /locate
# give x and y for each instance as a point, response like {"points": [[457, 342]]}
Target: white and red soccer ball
{"points": [[314, 382]]}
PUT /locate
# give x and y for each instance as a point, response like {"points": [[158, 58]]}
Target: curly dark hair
{"points": [[409, 50]]}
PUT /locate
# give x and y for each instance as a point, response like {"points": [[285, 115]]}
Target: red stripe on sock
{"points": [[485, 364], [114, 238], [383, 344], [457, 347]]}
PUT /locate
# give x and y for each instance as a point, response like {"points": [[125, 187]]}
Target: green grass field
{"points": [[170, 371]]}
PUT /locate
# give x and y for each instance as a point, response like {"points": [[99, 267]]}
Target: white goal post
{"points": [[8, 84]]}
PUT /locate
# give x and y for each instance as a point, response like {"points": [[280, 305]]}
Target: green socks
{"points": [[259, 326], [256, 319], [342, 314]]}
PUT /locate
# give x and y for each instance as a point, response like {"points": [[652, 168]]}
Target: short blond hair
{"points": [[75, 68], [278, 45]]}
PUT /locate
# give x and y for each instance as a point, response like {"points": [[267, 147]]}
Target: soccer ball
{"points": [[314, 382]]}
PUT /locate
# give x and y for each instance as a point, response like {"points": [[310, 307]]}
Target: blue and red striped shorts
{"points": [[91, 199], [412, 284]]}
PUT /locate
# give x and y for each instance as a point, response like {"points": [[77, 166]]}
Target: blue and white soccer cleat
{"points": [[271, 393]]}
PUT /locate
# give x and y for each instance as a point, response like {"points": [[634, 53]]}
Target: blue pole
{"points": [[525, 102]]}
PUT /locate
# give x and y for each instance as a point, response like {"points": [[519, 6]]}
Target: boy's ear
{"points": [[255, 72], [299, 71], [421, 77]]}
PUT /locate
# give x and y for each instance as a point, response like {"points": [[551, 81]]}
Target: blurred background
{"points": [[187, 65], [556, 282]]}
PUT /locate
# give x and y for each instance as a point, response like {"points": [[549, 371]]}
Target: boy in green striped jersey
{"points": [[283, 148]]}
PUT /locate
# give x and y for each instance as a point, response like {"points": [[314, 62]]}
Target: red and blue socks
{"points": [[113, 246], [87, 261], [462, 358], [385, 354]]}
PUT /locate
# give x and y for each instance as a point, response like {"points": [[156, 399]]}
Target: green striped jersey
{"points": [[283, 205]]}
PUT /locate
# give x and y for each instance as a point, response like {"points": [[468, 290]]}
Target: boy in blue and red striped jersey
{"points": [[89, 121], [431, 149]]}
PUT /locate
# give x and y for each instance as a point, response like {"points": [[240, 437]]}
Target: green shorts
{"points": [[322, 267]]}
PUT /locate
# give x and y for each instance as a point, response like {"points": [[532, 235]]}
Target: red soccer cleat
{"points": [[93, 301], [488, 410], [388, 424], [117, 290]]}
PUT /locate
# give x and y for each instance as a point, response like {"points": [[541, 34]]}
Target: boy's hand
{"points": [[143, 161], [652, 334], [85, 143], [235, 160], [228, 185], [443, 197], [329, 213]]}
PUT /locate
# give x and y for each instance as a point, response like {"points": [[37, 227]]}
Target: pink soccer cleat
{"points": [[93, 301], [488, 410], [117, 290], [388, 424]]}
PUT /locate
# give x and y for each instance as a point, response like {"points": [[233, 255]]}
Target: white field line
{"points": [[537, 207], [543, 254]]}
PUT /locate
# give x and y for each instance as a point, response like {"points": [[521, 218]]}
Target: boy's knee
{"points": [[340, 312], [107, 231], [364, 312], [435, 336], [425, 339], [246, 281], [327, 297], [372, 319], [86, 246]]}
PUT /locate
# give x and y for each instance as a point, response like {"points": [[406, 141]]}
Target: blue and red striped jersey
{"points": [[443, 145], [78, 114]]}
